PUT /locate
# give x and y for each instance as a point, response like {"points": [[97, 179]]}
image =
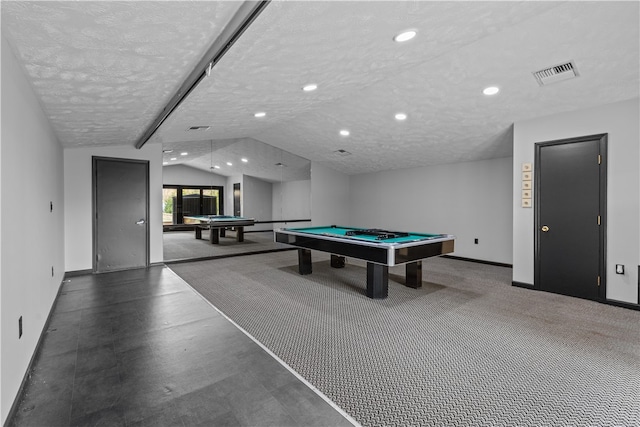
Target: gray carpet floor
{"points": [[178, 245], [467, 349]]}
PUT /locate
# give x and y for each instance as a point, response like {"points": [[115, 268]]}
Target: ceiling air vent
{"points": [[199, 127], [557, 73], [342, 152]]}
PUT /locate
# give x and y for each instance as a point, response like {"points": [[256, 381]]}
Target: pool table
{"points": [[380, 248], [219, 222]]}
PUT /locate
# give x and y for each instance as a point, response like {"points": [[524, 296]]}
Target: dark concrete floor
{"points": [[141, 348]]}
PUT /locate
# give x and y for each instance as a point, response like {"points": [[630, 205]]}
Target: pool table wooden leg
{"points": [[304, 261], [377, 280], [337, 261], [198, 232], [223, 232], [240, 234], [413, 277], [213, 236]]}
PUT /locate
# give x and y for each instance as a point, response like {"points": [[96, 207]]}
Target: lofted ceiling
{"points": [[105, 70]]}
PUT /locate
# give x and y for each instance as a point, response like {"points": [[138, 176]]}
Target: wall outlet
{"points": [[20, 327], [475, 241], [619, 269]]}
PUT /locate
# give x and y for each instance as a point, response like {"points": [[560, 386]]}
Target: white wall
{"points": [[78, 235], [292, 200], [2, 414], [469, 200], [32, 236], [621, 122], [257, 197], [329, 196], [186, 175]]}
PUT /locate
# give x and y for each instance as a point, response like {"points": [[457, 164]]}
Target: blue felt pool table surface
{"points": [[342, 232]]}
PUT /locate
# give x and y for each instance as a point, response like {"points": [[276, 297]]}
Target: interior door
{"points": [[236, 199], [570, 200], [121, 206]]}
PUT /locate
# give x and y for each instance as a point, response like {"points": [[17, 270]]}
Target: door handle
{"points": [[140, 222], [544, 228]]}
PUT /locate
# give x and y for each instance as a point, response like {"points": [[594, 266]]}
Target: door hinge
{"points": [[598, 219], [599, 159], [598, 280]]}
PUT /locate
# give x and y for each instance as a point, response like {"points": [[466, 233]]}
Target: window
{"points": [[179, 201]]}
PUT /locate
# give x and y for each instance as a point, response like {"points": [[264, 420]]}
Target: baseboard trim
{"points": [[75, 273], [479, 261], [208, 258], [16, 401], [523, 285], [622, 304]]}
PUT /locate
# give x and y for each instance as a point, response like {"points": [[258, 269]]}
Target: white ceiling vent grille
{"points": [[557, 73], [342, 152]]}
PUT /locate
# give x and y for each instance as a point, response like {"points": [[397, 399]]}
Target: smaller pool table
{"points": [[380, 248], [219, 222]]}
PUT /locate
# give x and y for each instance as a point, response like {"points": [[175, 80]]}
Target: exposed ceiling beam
{"points": [[243, 18]]}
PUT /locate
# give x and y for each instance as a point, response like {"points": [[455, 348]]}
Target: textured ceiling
{"points": [[263, 160], [104, 70]]}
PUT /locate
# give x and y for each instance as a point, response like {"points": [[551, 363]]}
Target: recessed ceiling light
{"points": [[184, 153], [244, 160], [405, 36], [229, 164], [165, 163], [167, 151], [401, 116], [216, 167], [310, 87], [260, 114], [173, 158], [344, 132], [491, 90]]}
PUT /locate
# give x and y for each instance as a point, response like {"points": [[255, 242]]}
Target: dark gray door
{"points": [[236, 199], [121, 231], [570, 202]]}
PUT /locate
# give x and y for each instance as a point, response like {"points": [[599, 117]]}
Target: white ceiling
{"points": [[105, 70]]}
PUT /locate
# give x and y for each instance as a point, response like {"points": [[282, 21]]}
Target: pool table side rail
{"points": [[379, 252], [369, 252], [420, 240], [243, 222]]}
